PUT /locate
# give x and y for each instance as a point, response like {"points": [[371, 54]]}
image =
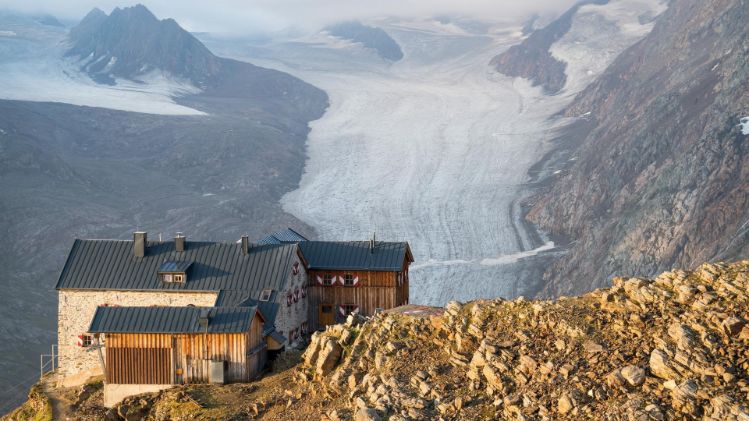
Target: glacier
{"points": [[435, 149]]}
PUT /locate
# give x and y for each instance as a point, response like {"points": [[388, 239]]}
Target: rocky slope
{"points": [[674, 347], [531, 59], [373, 38], [660, 179]]}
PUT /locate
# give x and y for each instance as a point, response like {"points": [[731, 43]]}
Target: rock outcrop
{"points": [[532, 59], [660, 180], [672, 347]]}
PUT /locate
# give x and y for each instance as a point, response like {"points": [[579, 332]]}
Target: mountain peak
{"points": [[132, 41], [138, 11]]}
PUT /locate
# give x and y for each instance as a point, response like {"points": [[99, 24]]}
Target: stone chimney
{"points": [[245, 244], [139, 243], [179, 242]]}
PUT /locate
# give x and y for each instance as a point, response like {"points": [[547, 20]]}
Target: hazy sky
{"points": [[253, 16]]}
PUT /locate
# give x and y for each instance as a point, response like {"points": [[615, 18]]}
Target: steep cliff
{"points": [[661, 179]]}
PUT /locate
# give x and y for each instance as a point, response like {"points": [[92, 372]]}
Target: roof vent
{"points": [[245, 244], [179, 242], [139, 243]]}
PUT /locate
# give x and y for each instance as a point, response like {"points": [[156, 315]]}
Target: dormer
{"points": [[174, 272]]}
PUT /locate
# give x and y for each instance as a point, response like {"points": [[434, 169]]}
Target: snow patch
{"points": [[744, 125], [514, 257], [7, 33]]}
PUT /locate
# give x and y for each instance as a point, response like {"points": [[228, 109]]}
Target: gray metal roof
{"points": [[355, 255], [285, 236], [269, 308], [171, 319], [110, 265]]}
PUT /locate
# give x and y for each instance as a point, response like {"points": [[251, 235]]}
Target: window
{"points": [[167, 277], [179, 278], [327, 308], [265, 295], [327, 280], [85, 341], [348, 280]]}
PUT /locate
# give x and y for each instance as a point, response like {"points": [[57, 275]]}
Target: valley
{"points": [[435, 149]]}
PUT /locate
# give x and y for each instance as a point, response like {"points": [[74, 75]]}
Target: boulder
{"points": [[659, 365], [633, 374], [329, 354]]}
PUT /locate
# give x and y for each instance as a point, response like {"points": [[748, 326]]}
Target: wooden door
{"points": [[326, 315], [139, 366]]}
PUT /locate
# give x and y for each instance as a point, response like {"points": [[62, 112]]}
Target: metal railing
{"points": [[48, 362]]}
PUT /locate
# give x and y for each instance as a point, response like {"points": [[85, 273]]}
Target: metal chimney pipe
{"points": [[140, 239], [245, 244], [179, 242]]}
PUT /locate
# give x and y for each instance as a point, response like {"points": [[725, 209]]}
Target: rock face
{"points": [[660, 180], [642, 349], [532, 60]]}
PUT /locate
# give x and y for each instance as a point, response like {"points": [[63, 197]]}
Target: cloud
{"points": [[258, 16]]}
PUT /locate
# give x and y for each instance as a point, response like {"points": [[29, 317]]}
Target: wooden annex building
{"points": [[360, 277], [177, 345]]}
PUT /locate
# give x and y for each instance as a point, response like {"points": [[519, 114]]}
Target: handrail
{"points": [[47, 360]]}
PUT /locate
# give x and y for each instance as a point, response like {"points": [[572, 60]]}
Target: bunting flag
{"points": [[319, 280]]}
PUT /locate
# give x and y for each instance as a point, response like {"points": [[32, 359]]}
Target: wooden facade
{"points": [[158, 358], [374, 290]]}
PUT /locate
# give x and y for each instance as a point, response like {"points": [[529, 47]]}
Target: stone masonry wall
{"points": [[292, 317], [77, 308]]}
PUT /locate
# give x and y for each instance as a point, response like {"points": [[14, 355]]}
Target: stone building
{"points": [[270, 275], [175, 273]]}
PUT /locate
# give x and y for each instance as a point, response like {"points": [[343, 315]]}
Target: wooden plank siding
{"points": [[375, 289], [151, 358]]}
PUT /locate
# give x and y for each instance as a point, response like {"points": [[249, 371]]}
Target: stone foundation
{"points": [[115, 393]]}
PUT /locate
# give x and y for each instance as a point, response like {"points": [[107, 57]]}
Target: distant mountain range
{"points": [[370, 37]]}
